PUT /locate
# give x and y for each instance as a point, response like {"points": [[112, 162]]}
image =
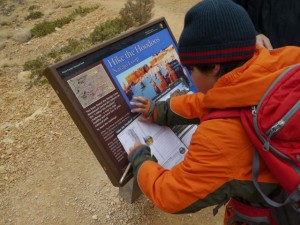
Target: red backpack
{"points": [[273, 126]]}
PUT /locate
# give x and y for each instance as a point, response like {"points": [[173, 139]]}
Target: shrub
{"points": [[81, 46], [34, 15], [72, 43], [83, 11], [54, 54], [47, 27], [44, 28], [73, 47], [107, 30], [137, 12], [33, 7], [36, 66]]}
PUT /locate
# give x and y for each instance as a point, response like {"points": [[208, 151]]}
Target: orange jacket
{"points": [[218, 164]]}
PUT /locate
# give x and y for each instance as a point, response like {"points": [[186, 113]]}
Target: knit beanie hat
{"points": [[216, 31]]}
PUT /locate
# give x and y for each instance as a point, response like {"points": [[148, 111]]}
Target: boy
{"points": [[218, 45]]}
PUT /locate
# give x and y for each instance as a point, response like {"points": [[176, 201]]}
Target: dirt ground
{"points": [[48, 174]]}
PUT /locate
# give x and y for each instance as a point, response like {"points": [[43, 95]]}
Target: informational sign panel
{"points": [[97, 85]]}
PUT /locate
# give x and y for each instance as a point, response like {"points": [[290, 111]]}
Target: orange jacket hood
{"points": [[245, 85]]}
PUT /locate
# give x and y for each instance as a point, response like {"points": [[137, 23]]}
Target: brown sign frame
{"points": [[56, 74]]}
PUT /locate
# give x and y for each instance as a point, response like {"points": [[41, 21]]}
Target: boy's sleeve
{"points": [[179, 110], [196, 183]]}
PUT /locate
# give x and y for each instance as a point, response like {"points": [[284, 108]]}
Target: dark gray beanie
{"points": [[216, 31]]}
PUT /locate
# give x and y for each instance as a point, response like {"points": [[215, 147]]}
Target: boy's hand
{"points": [[138, 154], [144, 106], [135, 147]]}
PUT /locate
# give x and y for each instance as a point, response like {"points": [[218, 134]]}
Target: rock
{"points": [[66, 5], [49, 12], [9, 63], [8, 151], [2, 169], [22, 36], [2, 45], [5, 34], [94, 217], [6, 21], [6, 126], [8, 9], [8, 140], [25, 76]]}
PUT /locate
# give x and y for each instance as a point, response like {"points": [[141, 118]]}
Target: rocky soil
{"points": [[48, 174]]}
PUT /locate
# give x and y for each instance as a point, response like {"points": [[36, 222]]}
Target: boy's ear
{"points": [[216, 70]]}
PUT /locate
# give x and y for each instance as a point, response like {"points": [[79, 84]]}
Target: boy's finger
{"points": [[145, 120], [137, 110], [138, 105], [141, 99]]}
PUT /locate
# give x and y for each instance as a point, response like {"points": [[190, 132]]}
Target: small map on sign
{"points": [[91, 85]]}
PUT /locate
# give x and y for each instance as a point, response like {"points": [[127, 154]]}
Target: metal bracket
{"points": [[130, 192]]}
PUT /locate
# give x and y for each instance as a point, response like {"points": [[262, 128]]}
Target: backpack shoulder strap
{"points": [[293, 197], [222, 113]]}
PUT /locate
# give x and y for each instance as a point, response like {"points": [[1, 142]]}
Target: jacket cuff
{"points": [[139, 156], [151, 109]]}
